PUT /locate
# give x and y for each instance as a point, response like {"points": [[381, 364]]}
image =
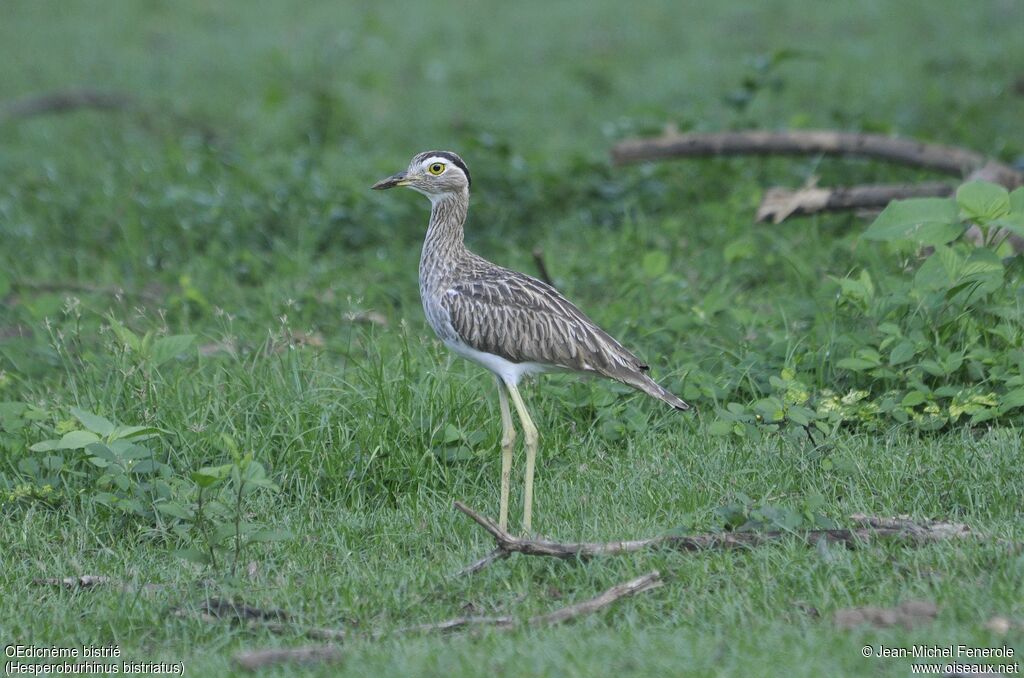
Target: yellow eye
{"points": [[436, 168]]}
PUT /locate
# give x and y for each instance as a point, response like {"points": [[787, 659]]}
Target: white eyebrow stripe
{"points": [[436, 158]]}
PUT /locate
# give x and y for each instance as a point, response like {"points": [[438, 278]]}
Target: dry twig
{"points": [[497, 554], [66, 101], [869, 527], [258, 619], [651, 580], [542, 267]]}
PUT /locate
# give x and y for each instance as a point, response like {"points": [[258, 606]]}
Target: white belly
{"points": [[508, 371]]}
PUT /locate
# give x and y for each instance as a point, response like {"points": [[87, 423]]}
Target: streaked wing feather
{"points": [[522, 319]]}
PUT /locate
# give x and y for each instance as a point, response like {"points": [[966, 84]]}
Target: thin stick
{"points": [[947, 159], [647, 582], [778, 204], [542, 267], [871, 527], [255, 659], [251, 660], [66, 101], [492, 557]]}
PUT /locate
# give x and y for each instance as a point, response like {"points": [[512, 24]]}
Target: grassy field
{"points": [[229, 206]]}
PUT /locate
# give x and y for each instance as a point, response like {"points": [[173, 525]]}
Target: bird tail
{"points": [[642, 382]]}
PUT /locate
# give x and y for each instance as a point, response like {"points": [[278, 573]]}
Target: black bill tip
{"points": [[389, 182]]}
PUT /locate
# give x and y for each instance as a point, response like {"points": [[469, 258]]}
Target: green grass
{"points": [[263, 239]]}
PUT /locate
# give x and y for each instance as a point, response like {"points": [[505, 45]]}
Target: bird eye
{"points": [[436, 168]]}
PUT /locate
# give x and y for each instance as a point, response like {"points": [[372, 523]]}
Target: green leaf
{"points": [[451, 434], [166, 348], [720, 428], [147, 466], [982, 262], [1013, 222], [73, 440], [856, 364], [742, 248], [801, 416], [983, 201], [913, 399], [655, 263], [940, 270], [133, 452], [210, 475], [932, 368], [1017, 200], [901, 353], [175, 510], [268, 534], [135, 433], [1011, 400], [929, 221], [125, 335], [99, 425]]}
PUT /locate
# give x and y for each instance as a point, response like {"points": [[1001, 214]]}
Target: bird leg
{"points": [[508, 442], [530, 433]]}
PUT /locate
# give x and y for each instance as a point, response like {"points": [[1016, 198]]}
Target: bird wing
{"points": [[522, 319]]}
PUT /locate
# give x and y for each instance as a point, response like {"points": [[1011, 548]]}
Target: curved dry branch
{"points": [[868, 528], [947, 159], [255, 659]]}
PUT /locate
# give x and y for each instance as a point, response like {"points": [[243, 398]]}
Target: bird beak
{"points": [[391, 182]]}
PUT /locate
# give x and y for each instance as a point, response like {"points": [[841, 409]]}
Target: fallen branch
{"points": [[869, 527], [255, 659], [66, 101], [647, 582], [86, 98], [651, 580], [251, 660], [495, 555], [947, 159], [778, 204]]}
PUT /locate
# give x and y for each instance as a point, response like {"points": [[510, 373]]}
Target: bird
{"points": [[510, 323]]}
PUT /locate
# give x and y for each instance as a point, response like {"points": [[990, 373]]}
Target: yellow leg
{"points": [[530, 433], [508, 442]]}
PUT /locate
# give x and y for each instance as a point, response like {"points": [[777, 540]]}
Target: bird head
{"points": [[433, 173]]}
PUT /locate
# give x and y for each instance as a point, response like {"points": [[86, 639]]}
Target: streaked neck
{"points": [[447, 216]]}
